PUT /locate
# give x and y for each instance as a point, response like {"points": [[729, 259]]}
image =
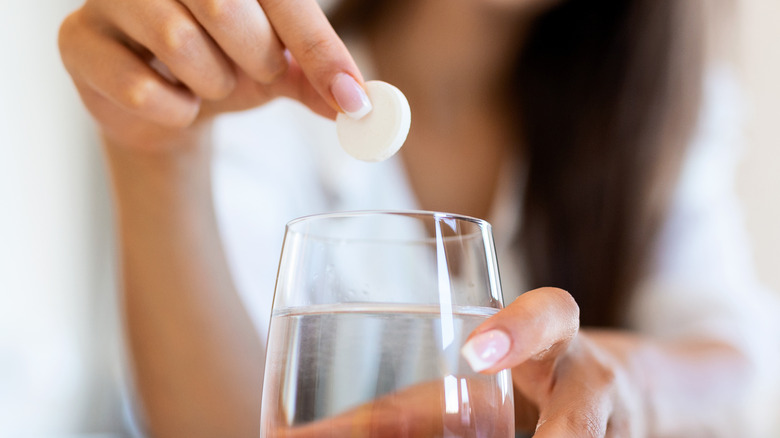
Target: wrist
{"points": [[165, 171], [155, 141]]}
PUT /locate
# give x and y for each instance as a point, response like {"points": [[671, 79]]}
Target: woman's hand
{"points": [[148, 69], [567, 383], [153, 73]]}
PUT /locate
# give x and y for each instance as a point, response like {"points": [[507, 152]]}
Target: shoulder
{"points": [[715, 148]]}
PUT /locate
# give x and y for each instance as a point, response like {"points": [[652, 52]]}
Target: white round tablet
{"points": [[379, 134]]}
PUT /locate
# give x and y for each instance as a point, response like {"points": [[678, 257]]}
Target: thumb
{"points": [[538, 325]]}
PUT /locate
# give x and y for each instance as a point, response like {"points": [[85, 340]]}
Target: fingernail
{"points": [[350, 96], [486, 349]]}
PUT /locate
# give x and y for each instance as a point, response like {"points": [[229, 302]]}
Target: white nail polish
{"points": [[484, 350], [350, 96]]}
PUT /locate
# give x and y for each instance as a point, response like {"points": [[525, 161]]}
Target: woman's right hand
{"points": [[217, 56]]}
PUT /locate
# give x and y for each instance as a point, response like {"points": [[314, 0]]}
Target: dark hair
{"points": [[608, 95]]}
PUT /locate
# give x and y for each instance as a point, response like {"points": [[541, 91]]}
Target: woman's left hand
{"points": [[568, 383]]}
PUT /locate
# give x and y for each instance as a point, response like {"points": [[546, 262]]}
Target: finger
{"points": [[584, 398], [577, 410], [244, 33], [307, 34], [126, 81], [539, 325], [249, 93], [418, 411], [169, 31], [295, 85], [580, 419]]}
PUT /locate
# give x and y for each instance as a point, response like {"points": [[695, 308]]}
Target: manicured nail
{"points": [[486, 349], [350, 96]]}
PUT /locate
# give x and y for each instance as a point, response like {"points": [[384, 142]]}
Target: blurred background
{"points": [[59, 364]]}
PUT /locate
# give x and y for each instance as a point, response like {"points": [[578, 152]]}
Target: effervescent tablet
{"points": [[379, 134]]}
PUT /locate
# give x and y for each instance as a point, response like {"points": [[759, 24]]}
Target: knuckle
{"points": [[66, 36], [317, 48], [575, 421], [66, 29], [138, 94], [592, 427], [607, 376], [601, 367], [272, 70], [185, 47], [586, 424], [178, 35], [221, 11]]}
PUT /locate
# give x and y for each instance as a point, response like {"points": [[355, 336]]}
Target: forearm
{"points": [[197, 359], [688, 388]]}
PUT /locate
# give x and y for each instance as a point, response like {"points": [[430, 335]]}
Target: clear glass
{"points": [[370, 312]]}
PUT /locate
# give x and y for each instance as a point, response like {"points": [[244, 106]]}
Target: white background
{"points": [[57, 364], [759, 178]]}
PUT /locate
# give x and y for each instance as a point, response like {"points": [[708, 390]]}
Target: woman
{"points": [[568, 117]]}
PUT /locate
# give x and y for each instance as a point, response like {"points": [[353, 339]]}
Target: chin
{"points": [[534, 5]]}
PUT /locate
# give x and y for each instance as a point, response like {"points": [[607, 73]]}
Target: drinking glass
{"points": [[370, 312]]}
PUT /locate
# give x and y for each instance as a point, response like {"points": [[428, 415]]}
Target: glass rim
{"points": [[380, 212], [474, 233]]}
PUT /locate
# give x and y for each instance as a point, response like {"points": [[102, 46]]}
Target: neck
{"points": [[453, 60]]}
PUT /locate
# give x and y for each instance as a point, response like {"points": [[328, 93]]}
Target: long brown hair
{"points": [[608, 94]]}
